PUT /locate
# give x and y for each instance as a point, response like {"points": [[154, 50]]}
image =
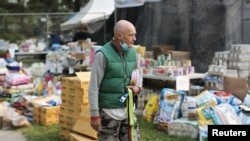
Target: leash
{"points": [[130, 106]]}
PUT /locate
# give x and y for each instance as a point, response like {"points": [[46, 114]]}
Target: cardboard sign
{"points": [[237, 86], [182, 83]]}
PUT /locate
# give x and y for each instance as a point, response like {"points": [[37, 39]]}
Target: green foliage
{"points": [[44, 6], [18, 28], [20, 22], [12, 37], [36, 7], [15, 8], [42, 133]]}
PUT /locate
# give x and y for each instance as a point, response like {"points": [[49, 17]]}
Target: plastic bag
{"points": [[20, 121], [151, 108]]}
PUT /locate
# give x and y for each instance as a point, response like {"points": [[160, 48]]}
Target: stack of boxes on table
{"points": [[230, 70], [168, 62], [164, 60]]}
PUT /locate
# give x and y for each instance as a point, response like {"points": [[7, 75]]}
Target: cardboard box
{"points": [[50, 110], [70, 111], [72, 92], [237, 86], [84, 76], [46, 115], [81, 80], [67, 118], [78, 137], [74, 82], [179, 55], [149, 54], [161, 49], [64, 133], [78, 56], [82, 125]]}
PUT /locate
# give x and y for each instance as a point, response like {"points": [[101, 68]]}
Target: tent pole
{"points": [[115, 14], [104, 28]]}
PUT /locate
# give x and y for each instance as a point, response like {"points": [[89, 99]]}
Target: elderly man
{"points": [[114, 65]]}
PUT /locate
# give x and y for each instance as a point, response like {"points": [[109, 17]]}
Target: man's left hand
{"points": [[135, 89]]}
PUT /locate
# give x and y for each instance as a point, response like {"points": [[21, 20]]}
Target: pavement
{"points": [[11, 135]]}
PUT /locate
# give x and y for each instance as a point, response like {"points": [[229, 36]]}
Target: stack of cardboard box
{"points": [[74, 101], [46, 115]]}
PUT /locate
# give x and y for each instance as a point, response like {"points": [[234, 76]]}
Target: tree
{"points": [[76, 5], [32, 19]]}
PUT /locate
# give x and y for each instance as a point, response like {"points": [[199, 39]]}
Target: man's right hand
{"points": [[96, 123]]}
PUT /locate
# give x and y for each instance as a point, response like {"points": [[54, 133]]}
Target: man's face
{"points": [[129, 37]]}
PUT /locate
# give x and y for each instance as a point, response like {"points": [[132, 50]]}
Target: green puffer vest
{"points": [[117, 76]]}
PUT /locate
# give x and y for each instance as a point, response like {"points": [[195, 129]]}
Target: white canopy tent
{"points": [[94, 13]]}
